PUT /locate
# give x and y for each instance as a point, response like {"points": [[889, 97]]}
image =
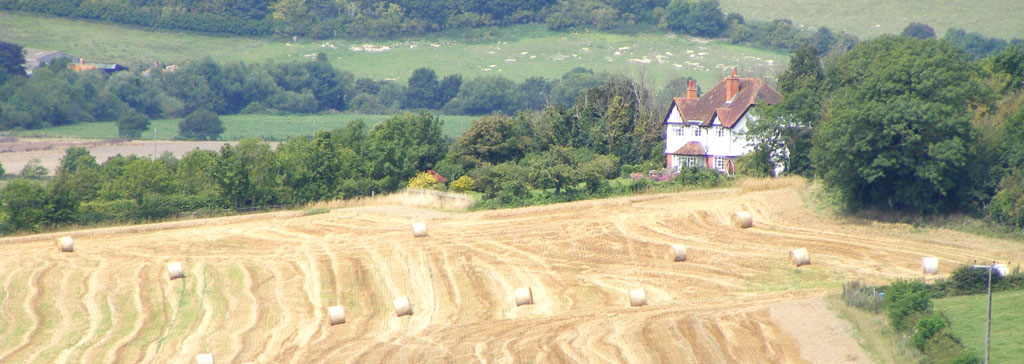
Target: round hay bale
{"points": [[419, 229], [930, 265], [175, 271], [1002, 270], [65, 244], [637, 297], [204, 359], [403, 307], [678, 252], [524, 296], [799, 257], [742, 219], [337, 314]]}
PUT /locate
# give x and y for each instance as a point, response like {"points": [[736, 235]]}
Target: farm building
{"points": [[709, 131], [34, 58], [105, 67]]}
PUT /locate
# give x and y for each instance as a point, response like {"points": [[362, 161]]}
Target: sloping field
{"points": [[258, 290]]}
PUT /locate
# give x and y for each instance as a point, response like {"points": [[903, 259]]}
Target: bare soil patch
{"points": [[16, 152]]}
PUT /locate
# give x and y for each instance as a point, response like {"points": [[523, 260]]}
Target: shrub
{"points": [[905, 299], [699, 177], [926, 328], [464, 183], [200, 125], [640, 186], [34, 170], [858, 295], [423, 180], [969, 280]]}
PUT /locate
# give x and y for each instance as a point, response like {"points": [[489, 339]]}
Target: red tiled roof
{"points": [[691, 148], [752, 91]]}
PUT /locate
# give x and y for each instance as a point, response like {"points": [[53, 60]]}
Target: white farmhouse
{"points": [[709, 131]]}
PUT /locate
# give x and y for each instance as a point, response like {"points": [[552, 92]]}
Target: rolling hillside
{"points": [[257, 289], [870, 18], [516, 52]]}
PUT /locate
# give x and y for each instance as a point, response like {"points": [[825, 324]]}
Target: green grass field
{"points": [[517, 52], [968, 314], [270, 127], [869, 18]]}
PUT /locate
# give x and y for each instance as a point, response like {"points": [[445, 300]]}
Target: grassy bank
{"points": [[269, 127], [968, 315]]}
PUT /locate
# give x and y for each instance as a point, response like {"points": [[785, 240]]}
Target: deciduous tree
{"points": [[896, 130]]}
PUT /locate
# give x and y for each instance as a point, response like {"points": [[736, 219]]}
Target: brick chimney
{"points": [[691, 91], [732, 86]]}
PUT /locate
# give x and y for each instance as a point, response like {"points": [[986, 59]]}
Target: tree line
{"points": [[56, 95], [903, 123], [568, 150]]}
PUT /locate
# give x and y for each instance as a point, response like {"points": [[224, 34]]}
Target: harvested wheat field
{"points": [[258, 290]]}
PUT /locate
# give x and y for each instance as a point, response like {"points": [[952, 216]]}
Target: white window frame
{"points": [[721, 132], [696, 131], [720, 163], [678, 130], [689, 162]]}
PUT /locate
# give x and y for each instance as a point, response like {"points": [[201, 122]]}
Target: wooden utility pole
{"points": [[988, 324]]}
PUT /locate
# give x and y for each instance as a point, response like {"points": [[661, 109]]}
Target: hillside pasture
{"points": [[257, 290], [517, 52], [968, 314], [871, 18]]}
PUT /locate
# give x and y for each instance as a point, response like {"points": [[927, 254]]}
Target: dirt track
{"points": [[258, 290]]}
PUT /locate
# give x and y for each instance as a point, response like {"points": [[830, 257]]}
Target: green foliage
{"points": [[314, 169], [34, 170], [755, 164], [402, 146], [975, 44], [896, 132], [484, 95], [945, 348], [248, 174], [700, 177], [702, 18], [904, 300], [966, 279], [131, 125], [859, 295], [200, 125], [919, 31], [494, 139], [926, 328], [506, 182], [11, 59], [24, 204], [422, 90]]}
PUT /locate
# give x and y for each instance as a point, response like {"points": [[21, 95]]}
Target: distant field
{"points": [[516, 53], [870, 18], [968, 314], [240, 126]]}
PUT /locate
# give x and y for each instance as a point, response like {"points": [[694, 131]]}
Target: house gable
{"points": [[713, 125]]}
